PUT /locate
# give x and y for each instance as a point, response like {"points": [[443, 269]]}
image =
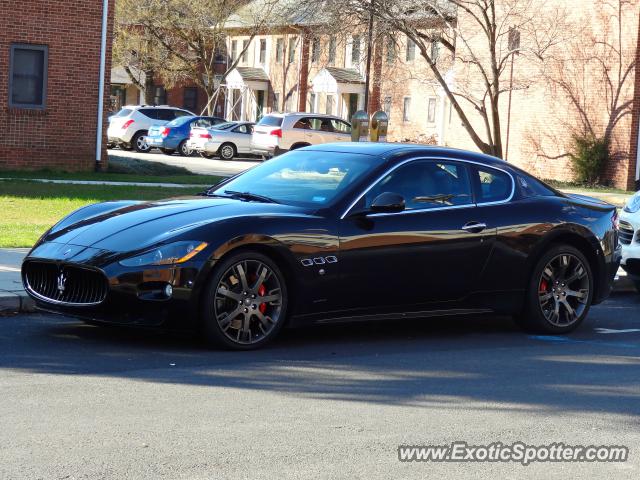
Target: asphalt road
{"points": [[196, 164], [78, 401]]}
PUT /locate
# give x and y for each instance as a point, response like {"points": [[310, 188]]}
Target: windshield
{"points": [[308, 179], [180, 121]]}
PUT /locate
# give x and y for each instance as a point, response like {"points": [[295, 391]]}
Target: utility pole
{"points": [[369, 48]]}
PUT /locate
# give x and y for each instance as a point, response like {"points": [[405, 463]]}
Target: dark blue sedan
{"points": [[173, 136]]}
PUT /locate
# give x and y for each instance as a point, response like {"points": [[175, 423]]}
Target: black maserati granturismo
{"points": [[334, 233]]}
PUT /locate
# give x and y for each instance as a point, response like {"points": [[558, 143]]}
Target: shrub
{"points": [[589, 157]]}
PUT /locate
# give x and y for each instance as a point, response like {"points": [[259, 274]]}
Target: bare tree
{"points": [[188, 37], [478, 36]]}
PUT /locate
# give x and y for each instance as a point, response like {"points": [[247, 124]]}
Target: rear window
{"points": [[531, 187], [179, 121], [125, 112], [270, 121]]}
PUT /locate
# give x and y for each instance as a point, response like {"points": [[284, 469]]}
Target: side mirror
{"points": [[388, 202]]}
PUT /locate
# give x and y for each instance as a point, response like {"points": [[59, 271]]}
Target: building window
{"points": [[332, 50], [386, 108], [159, 95], [234, 50], [431, 110], [406, 109], [276, 102], [391, 50], [28, 76], [315, 50], [292, 50], [260, 95], [435, 50], [329, 106], [355, 49], [190, 98], [288, 103], [279, 49], [263, 51], [312, 102], [411, 50], [245, 50]]}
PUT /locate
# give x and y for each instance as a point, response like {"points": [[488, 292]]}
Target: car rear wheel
{"points": [[227, 151], [139, 142], [183, 149], [245, 304], [560, 292]]}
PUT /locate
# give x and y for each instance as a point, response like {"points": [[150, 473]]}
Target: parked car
{"points": [[629, 225], [174, 135], [280, 132], [335, 233], [226, 140], [129, 127]]}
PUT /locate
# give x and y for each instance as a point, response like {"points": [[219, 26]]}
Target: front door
{"points": [[432, 252]]}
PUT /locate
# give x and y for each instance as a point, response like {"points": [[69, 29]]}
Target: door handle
{"points": [[474, 227]]}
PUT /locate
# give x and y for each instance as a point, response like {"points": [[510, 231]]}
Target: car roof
{"points": [[301, 114], [137, 107], [407, 149]]}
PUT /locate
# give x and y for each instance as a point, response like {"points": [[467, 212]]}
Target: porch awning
{"points": [[338, 80], [248, 77]]}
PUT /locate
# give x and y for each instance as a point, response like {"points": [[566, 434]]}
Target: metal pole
{"points": [[368, 71], [103, 62]]}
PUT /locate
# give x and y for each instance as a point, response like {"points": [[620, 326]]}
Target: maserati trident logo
{"points": [[62, 282]]}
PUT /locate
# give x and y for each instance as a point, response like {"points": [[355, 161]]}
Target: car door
{"points": [[242, 137], [434, 251]]}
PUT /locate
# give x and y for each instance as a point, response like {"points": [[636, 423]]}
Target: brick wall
{"points": [[63, 135]]}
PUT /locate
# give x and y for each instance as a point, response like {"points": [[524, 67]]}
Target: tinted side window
{"points": [[149, 112], [492, 185], [202, 122], [180, 113], [426, 184], [531, 187], [243, 129], [340, 126]]}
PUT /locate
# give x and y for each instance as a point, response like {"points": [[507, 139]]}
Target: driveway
{"points": [[195, 164], [334, 402]]}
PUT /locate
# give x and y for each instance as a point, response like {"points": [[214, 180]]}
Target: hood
{"points": [[137, 225]]}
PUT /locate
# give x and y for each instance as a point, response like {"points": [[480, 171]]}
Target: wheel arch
{"points": [[583, 241], [297, 145]]}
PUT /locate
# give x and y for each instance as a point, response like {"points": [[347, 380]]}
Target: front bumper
{"points": [[134, 297]]}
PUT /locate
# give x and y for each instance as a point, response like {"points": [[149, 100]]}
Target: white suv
{"points": [[629, 230], [128, 128], [280, 132]]}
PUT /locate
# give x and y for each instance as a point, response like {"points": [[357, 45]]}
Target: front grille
{"points": [[65, 284], [626, 233]]}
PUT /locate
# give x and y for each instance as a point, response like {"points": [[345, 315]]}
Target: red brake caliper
{"points": [[543, 285], [261, 291]]}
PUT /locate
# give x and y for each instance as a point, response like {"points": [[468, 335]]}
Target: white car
{"points": [[128, 128], [280, 132], [629, 230], [225, 140]]}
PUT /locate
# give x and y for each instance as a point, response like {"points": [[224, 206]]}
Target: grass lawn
{"points": [[124, 170], [29, 208], [586, 188]]}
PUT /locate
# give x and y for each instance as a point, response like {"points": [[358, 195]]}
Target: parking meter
{"points": [[360, 126], [379, 126]]}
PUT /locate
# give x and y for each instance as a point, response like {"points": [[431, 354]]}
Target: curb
{"points": [[17, 301]]}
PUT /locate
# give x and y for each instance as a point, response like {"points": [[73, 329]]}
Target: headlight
{"points": [[170, 254], [633, 205]]}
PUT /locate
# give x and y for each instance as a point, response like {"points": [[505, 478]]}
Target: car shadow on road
{"points": [[466, 362]]}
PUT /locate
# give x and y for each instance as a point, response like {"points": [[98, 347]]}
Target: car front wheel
{"points": [[245, 304], [560, 292]]}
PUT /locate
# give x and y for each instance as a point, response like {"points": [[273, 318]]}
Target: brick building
{"points": [[51, 59]]}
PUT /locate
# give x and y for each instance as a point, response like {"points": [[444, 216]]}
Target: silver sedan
{"points": [[226, 140]]}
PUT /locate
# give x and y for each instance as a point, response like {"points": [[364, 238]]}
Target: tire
{"points": [[167, 151], [139, 144], [232, 314], [227, 151], [206, 155], [183, 149], [555, 291]]}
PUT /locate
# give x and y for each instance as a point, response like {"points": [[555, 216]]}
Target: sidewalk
{"points": [[14, 298], [12, 295]]}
